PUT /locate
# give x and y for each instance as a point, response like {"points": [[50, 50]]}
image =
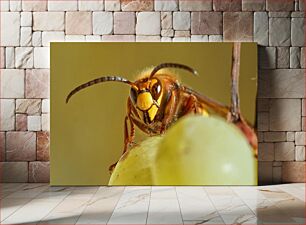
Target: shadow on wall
{"points": [[279, 112]]}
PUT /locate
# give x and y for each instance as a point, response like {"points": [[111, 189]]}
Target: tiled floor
{"points": [[41, 204]]}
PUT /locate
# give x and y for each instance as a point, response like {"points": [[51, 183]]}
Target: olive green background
{"points": [[87, 133]]}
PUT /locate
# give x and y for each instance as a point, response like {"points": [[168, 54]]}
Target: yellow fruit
{"points": [[201, 150], [134, 167]]}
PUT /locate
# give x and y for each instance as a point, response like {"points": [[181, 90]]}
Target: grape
{"points": [[201, 150], [134, 167]]}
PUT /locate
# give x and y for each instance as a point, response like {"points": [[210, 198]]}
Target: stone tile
{"points": [[286, 115], [112, 5], [284, 151], [283, 57], [10, 57], [39, 172], [293, 172], [181, 20], [303, 107], [303, 124], [275, 136], [46, 105], [48, 21], [7, 114], [253, 5], [37, 83], [201, 5], [295, 57], [41, 57], [166, 39], [206, 23], [296, 5], [4, 6], [182, 33], [181, 39], [137, 5], [20, 146], [56, 5], [34, 123], [265, 152], [75, 38], [279, 14], [2, 146], [10, 28], [277, 174], [28, 5], [264, 173], [25, 36], [215, 38], [199, 38], [167, 33], [118, 38], [28, 106], [280, 5], [15, 5], [281, 83], [26, 19], [94, 5], [52, 36], [14, 172], [299, 153], [166, 20], [45, 122], [238, 26], [261, 28], [298, 14], [300, 138], [301, 5], [148, 23], [260, 136], [102, 22], [302, 58], [279, 32], [2, 57], [37, 39], [227, 5], [290, 136], [267, 57], [92, 38], [24, 57], [124, 22], [43, 149], [169, 5], [263, 105], [143, 38], [78, 23], [297, 32], [12, 83], [21, 122], [263, 121]]}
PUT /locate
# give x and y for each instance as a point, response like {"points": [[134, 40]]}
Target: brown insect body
{"points": [[158, 99]]}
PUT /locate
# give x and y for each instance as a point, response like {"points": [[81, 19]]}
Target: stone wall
{"points": [[27, 27]]}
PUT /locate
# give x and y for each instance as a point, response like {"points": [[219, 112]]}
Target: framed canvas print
{"points": [[153, 114]]}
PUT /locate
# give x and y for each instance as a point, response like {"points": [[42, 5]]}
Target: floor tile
{"points": [[164, 207], [195, 204], [100, 208], [132, 207], [32, 212], [70, 207]]}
